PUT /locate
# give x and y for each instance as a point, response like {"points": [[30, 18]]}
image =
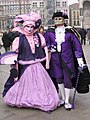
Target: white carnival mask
{"points": [[59, 20], [29, 28]]}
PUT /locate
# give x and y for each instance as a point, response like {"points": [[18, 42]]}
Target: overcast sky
{"points": [[72, 1]]}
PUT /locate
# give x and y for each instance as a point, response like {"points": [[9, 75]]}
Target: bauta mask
{"points": [[59, 20]]}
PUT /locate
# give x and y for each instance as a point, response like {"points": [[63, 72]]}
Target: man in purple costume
{"points": [[62, 43]]}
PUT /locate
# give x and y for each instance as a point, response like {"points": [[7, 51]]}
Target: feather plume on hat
{"points": [[25, 19], [35, 17]]}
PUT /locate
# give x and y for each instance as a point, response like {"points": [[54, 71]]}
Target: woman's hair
{"points": [[41, 27]]}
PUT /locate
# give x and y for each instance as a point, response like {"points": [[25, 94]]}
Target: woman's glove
{"points": [[80, 62], [14, 73]]}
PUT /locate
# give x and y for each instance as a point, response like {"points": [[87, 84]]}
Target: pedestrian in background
{"points": [[6, 42], [88, 35], [83, 33], [12, 35], [41, 30]]}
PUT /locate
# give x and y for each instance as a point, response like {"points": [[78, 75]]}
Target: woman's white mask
{"points": [[59, 20], [29, 28]]}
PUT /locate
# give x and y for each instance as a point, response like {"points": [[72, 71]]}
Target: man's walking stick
{"points": [[78, 75]]}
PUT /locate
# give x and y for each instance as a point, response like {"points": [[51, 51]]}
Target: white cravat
{"points": [[60, 36]]}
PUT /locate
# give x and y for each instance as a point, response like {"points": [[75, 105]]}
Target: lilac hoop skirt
{"points": [[34, 89]]}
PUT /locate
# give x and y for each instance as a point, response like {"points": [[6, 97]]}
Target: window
{"points": [[74, 22], [77, 22], [57, 4], [64, 3], [78, 16], [34, 4], [41, 4], [49, 3]]}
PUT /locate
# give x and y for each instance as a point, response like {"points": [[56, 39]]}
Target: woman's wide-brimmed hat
{"points": [[32, 17]]}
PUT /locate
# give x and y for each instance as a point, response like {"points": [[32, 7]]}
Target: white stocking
{"points": [[62, 91], [67, 94]]}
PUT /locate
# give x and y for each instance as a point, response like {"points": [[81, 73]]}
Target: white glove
{"points": [[80, 62], [53, 50]]}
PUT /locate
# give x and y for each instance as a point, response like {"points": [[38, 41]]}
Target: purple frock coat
{"points": [[71, 44]]}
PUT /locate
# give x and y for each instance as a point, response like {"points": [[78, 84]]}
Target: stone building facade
{"points": [[84, 6], [10, 8], [74, 14]]}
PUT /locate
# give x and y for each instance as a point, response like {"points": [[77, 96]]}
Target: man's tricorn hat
{"points": [[60, 14]]}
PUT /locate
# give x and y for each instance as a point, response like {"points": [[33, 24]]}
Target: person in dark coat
{"points": [[83, 33], [8, 38], [12, 35], [63, 42], [6, 41]]}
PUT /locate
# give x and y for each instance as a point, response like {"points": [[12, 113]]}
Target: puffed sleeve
{"points": [[15, 44]]}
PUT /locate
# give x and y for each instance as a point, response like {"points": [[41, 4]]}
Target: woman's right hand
{"points": [[47, 65]]}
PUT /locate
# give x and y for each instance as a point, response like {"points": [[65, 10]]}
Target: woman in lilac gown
{"points": [[33, 87]]}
